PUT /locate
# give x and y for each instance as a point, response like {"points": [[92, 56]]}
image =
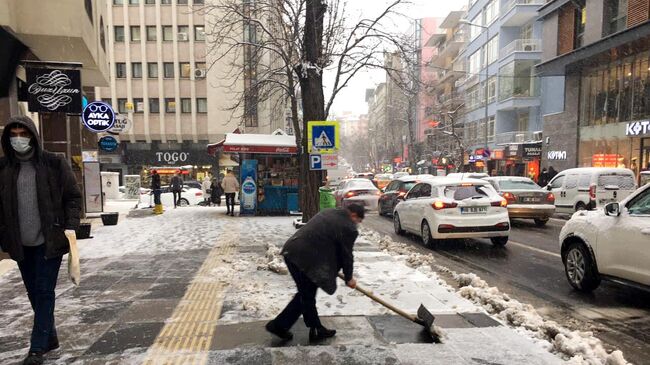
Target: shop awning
{"points": [[260, 143], [225, 161]]}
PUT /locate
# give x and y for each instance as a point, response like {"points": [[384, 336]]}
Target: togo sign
{"points": [[52, 90], [98, 116], [172, 157]]}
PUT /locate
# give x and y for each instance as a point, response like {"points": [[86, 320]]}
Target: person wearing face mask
{"points": [[39, 202], [314, 256]]}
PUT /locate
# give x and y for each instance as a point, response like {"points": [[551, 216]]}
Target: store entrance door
{"points": [[645, 154]]}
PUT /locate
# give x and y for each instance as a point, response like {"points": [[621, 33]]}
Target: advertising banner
{"points": [[52, 90], [248, 179], [132, 185], [93, 188]]}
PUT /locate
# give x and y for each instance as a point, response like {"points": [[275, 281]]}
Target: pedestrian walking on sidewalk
{"points": [[205, 187], [156, 191], [217, 191], [176, 186], [314, 256], [230, 187], [39, 202]]}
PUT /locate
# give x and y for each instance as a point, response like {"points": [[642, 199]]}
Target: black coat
{"points": [[59, 198], [155, 181], [176, 183], [323, 247]]}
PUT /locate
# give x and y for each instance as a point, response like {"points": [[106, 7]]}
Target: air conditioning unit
{"points": [[182, 37], [199, 73]]}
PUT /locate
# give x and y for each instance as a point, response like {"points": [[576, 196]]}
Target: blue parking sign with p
{"points": [[315, 162]]}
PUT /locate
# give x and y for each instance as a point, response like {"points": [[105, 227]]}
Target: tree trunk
{"points": [[313, 100]]}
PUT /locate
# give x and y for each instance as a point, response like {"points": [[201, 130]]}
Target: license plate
{"points": [[531, 200], [473, 210]]}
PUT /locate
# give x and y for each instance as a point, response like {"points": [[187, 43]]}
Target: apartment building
{"points": [[176, 88], [502, 105], [595, 75]]}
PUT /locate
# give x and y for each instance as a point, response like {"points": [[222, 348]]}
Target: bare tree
{"points": [[299, 40]]}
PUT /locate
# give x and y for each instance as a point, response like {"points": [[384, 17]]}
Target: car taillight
{"points": [[378, 192], [550, 197], [198, 193], [510, 197], [503, 203], [439, 205], [592, 192], [350, 194]]}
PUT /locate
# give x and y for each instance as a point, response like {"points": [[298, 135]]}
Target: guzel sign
{"points": [[53, 90]]}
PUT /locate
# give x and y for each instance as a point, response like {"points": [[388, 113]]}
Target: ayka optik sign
{"points": [[98, 117]]}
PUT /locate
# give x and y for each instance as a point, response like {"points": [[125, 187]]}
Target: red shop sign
{"points": [[261, 149]]}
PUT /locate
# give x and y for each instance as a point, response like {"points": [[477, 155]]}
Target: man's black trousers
{"points": [[304, 302], [230, 202]]}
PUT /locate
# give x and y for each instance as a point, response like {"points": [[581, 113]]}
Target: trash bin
{"points": [[110, 219], [326, 198], [83, 232]]}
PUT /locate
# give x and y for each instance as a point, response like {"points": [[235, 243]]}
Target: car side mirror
{"points": [[548, 187], [613, 209]]}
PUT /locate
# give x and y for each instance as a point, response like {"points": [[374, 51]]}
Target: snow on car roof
{"points": [[457, 181]]}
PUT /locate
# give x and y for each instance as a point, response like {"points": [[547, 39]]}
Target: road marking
{"points": [[187, 335], [534, 249]]}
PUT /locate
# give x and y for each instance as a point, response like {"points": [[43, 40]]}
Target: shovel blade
{"points": [[425, 317]]}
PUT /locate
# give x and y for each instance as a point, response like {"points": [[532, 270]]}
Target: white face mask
{"points": [[21, 144]]}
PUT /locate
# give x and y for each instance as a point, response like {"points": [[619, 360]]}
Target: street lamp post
{"points": [[487, 42]]}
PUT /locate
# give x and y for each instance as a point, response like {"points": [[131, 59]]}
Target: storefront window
{"points": [[622, 153]]}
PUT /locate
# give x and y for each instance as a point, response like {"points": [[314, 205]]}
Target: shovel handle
{"points": [[372, 296]]}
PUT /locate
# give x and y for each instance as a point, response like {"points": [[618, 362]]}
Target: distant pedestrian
{"points": [[205, 187], [217, 191], [314, 255], [543, 178], [230, 187], [177, 187], [551, 173], [156, 190], [39, 203]]}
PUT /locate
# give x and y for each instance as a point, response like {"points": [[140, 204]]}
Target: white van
{"points": [[590, 187]]}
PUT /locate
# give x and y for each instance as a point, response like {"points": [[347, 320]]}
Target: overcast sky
{"points": [[352, 99]]}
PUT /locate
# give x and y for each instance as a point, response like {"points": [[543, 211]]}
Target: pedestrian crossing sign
{"points": [[323, 137]]}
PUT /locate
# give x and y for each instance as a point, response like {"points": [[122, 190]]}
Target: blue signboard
{"points": [[108, 143], [98, 116], [315, 162], [248, 196]]}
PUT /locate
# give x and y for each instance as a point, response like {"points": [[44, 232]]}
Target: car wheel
{"points": [[580, 206], [579, 268], [541, 222], [427, 240], [397, 225], [380, 208], [499, 241], [184, 202]]}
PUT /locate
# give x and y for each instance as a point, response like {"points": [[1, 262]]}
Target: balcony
{"points": [[515, 137], [519, 12], [522, 45]]}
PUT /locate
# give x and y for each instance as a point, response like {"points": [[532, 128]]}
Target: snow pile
{"points": [[579, 347], [413, 259], [274, 260]]}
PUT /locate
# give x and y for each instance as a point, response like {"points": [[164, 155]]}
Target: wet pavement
{"points": [[530, 269]]}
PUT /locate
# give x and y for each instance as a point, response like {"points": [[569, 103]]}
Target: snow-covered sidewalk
{"points": [[148, 281]]}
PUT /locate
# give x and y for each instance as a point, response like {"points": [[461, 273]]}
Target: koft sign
{"points": [[172, 157], [637, 128], [98, 116]]}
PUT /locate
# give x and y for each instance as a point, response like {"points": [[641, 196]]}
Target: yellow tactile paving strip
{"points": [[187, 335]]}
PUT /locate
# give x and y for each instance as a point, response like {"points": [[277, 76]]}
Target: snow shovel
{"points": [[424, 317]]}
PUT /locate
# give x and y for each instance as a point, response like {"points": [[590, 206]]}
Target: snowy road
{"points": [[530, 269]]}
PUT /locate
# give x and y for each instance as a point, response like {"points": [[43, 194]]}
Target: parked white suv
{"points": [[590, 187], [612, 243]]}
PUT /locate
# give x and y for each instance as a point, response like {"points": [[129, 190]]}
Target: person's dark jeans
{"points": [[177, 197], [156, 196], [230, 202], [304, 302], [39, 276]]}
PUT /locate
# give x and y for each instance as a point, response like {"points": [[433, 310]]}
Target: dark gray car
{"points": [[525, 198]]}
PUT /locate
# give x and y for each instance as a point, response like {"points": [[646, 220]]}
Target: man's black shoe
{"points": [[320, 333], [53, 344], [283, 334], [34, 358]]}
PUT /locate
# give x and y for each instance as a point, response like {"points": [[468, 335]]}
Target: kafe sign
{"points": [[640, 128], [98, 116], [52, 90], [172, 158]]}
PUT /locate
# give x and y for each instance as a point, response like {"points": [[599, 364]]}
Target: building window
{"points": [[615, 16], [181, 2], [492, 89], [186, 105], [183, 33], [474, 31], [134, 2], [136, 70], [199, 33], [170, 105], [121, 106], [119, 33], [185, 70], [138, 105], [201, 105], [135, 33], [168, 70], [154, 105], [492, 50], [197, 2], [166, 2], [152, 70], [516, 80], [200, 65], [527, 31], [152, 33], [580, 22], [150, 2], [491, 121], [168, 33], [491, 12], [118, 2], [120, 70], [474, 63]]}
